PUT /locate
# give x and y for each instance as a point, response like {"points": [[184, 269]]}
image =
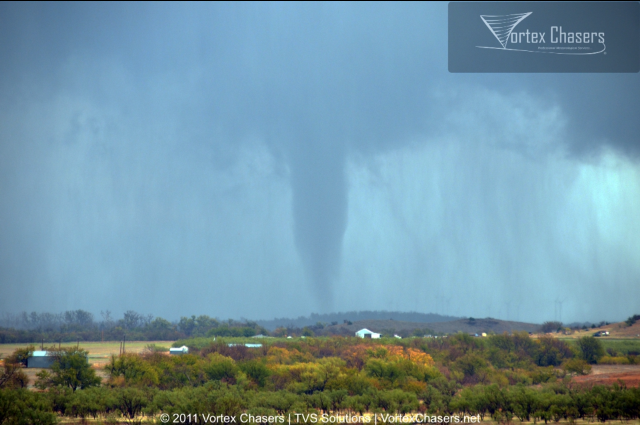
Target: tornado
{"points": [[320, 212]]}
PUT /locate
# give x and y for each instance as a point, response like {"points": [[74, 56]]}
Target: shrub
{"points": [[153, 348], [577, 366], [613, 360], [221, 368]]}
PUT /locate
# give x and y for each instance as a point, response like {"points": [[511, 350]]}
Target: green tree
{"points": [[187, 325], [474, 367], [221, 368], [25, 407], [12, 375], [133, 368], [379, 368], [552, 351], [22, 354], [90, 402], [257, 371], [159, 329], [591, 349], [78, 318], [524, 403], [130, 401], [397, 401], [70, 369]]}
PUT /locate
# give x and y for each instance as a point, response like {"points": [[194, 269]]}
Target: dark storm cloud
{"points": [[133, 153]]}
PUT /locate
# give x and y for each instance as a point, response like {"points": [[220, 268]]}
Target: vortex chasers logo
{"points": [[502, 26], [560, 42]]}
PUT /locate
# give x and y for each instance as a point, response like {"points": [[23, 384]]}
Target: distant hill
{"points": [[405, 328], [620, 330], [484, 325], [623, 330], [354, 316]]}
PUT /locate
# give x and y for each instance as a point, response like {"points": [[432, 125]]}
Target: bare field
{"points": [[611, 374]]}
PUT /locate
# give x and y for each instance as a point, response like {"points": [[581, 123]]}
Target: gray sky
{"points": [[261, 160]]}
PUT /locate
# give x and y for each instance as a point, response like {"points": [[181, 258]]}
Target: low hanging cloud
{"points": [[493, 217]]}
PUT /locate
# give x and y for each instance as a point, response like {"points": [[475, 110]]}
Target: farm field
{"points": [[617, 346], [99, 353]]}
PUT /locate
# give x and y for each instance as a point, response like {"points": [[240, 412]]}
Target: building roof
{"points": [[39, 353], [366, 331], [184, 348], [246, 345]]}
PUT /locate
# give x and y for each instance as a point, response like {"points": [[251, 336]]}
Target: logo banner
{"points": [[552, 37]]}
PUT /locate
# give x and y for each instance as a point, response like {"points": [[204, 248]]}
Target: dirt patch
{"points": [[621, 330], [611, 374], [608, 369]]}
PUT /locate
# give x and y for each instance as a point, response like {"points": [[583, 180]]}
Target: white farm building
{"points": [[179, 350], [41, 359], [366, 333]]}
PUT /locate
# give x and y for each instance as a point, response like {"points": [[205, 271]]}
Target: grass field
{"points": [[621, 346], [99, 352]]}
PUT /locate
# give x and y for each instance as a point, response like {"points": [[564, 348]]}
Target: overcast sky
{"points": [[268, 160]]}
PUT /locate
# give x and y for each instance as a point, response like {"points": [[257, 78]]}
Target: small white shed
{"points": [[179, 350], [366, 333], [246, 345], [41, 359]]}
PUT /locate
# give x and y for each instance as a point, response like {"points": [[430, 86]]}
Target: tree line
{"points": [[110, 405], [80, 325]]}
